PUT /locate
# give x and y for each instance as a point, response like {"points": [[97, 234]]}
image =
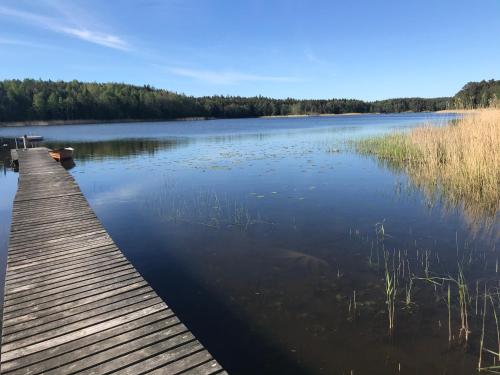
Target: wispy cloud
{"points": [[63, 26], [312, 58], [103, 39], [22, 43], [227, 77], [324, 67]]}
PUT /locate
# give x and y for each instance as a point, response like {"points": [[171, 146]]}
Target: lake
{"points": [[274, 241]]}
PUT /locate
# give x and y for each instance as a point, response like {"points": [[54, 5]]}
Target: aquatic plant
{"points": [[481, 342], [448, 280], [458, 161], [380, 230], [463, 296], [395, 148], [497, 327], [391, 290], [408, 288], [204, 207], [448, 303]]}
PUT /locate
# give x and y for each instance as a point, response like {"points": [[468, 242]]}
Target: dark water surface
{"points": [[272, 239]]}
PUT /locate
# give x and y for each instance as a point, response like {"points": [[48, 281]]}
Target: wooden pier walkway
{"points": [[73, 303]]}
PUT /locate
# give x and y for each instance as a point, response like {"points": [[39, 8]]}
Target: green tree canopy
{"points": [[29, 100]]}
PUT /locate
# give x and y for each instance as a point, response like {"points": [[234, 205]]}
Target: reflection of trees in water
{"points": [[120, 147], [5, 158], [4, 166]]}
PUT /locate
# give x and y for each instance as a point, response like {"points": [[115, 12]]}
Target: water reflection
{"points": [[68, 164], [5, 159], [284, 246], [481, 214], [121, 148]]}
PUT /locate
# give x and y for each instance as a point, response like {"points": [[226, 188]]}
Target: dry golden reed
{"points": [[459, 161]]}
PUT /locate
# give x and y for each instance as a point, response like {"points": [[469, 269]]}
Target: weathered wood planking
{"points": [[73, 302]]}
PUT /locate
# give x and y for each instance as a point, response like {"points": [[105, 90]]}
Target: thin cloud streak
{"points": [[107, 40], [53, 24], [22, 43], [312, 58], [227, 77]]}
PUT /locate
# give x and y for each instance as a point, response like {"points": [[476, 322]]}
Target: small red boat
{"points": [[65, 153]]}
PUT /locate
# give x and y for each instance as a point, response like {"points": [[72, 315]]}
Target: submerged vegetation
{"points": [[459, 161], [411, 292], [204, 208]]}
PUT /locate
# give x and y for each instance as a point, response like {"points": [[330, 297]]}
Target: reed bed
{"points": [[459, 161]]}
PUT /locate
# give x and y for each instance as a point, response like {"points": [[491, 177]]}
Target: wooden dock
{"points": [[73, 302]]}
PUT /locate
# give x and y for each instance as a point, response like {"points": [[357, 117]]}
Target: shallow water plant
{"points": [[463, 296], [408, 288], [380, 230], [497, 354], [458, 161], [395, 148], [481, 342], [391, 290], [448, 303]]}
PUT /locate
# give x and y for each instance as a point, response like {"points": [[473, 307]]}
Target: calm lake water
{"points": [[272, 240]]}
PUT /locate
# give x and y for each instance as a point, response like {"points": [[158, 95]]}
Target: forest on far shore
{"points": [[39, 100]]}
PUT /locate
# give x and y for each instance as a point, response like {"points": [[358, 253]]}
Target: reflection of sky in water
{"points": [[302, 188], [210, 128]]}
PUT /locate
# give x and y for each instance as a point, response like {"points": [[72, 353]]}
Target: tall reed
{"points": [[459, 161]]}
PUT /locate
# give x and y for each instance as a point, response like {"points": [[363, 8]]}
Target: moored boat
{"points": [[62, 153]]}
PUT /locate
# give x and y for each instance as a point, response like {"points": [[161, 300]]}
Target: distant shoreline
{"points": [[459, 110], [13, 124], [319, 115]]}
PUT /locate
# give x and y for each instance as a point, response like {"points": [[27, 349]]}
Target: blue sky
{"points": [[366, 49]]}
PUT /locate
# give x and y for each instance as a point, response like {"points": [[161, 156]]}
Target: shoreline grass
{"points": [[459, 161]]}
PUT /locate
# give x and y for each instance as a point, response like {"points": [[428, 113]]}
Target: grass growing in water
{"points": [[391, 290], [459, 161]]}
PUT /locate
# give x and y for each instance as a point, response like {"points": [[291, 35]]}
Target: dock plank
{"points": [[73, 302]]}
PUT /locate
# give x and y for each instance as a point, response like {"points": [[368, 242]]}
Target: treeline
{"points": [[30, 100], [478, 95], [48, 100]]}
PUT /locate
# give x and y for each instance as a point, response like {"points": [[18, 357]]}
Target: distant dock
{"points": [[73, 302]]}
